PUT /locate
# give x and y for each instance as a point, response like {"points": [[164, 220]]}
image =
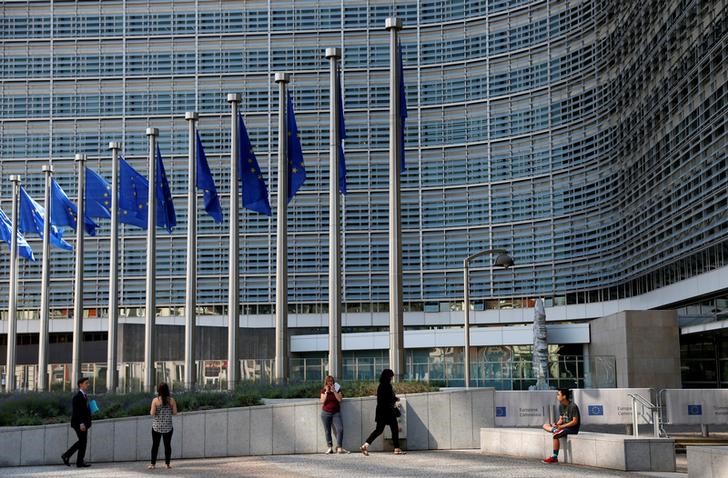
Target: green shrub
{"points": [[368, 388], [34, 408]]}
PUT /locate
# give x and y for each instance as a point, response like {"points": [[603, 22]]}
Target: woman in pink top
{"points": [[331, 398]]}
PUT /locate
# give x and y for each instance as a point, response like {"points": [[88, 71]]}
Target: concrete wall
{"points": [[646, 345], [598, 406], [707, 461], [696, 406], [435, 421]]}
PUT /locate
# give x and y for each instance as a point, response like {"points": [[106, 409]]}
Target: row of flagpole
{"points": [[131, 201]]}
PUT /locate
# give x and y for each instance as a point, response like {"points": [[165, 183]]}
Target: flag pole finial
{"points": [[333, 53], [192, 116], [152, 132], [393, 23], [234, 97], [282, 77]]}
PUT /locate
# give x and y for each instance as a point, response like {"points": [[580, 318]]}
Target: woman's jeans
{"points": [[329, 419], [167, 438]]}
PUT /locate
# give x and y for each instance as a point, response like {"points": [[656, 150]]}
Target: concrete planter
{"points": [[435, 421]]}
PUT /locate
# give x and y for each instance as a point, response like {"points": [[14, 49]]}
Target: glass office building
{"points": [[586, 137]]}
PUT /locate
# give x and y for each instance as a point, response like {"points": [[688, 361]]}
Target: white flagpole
{"points": [[12, 300], [281, 361], [191, 280], [396, 320], [78, 277], [151, 286], [112, 355], [335, 352], [45, 279], [234, 248]]}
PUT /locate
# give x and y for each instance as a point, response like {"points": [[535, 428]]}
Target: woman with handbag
{"points": [[386, 413], [163, 407]]}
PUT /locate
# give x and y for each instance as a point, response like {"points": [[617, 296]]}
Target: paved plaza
{"points": [[466, 463]]}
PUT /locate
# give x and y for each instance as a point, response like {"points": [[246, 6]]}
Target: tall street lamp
{"points": [[501, 260]]}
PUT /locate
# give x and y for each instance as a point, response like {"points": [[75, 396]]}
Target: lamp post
{"points": [[502, 260]]}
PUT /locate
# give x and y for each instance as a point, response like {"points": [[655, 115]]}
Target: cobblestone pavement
{"points": [[466, 463]]}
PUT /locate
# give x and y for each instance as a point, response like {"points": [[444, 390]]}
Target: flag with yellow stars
{"points": [[32, 218], [166, 217], [6, 234], [296, 171], [255, 192], [64, 212], [206, 183], [133, 194], [98, 195]]}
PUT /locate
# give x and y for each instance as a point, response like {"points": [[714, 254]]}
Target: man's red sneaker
{"points": [[551, 459]]}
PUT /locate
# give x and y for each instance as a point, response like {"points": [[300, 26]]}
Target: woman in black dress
{"points": [[386, 413]]}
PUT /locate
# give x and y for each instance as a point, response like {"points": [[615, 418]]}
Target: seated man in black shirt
{"points": [[568, 423]]}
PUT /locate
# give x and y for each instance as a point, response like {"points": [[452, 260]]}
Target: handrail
{"points": [[662, 411], [642, 400], [654, 411]]}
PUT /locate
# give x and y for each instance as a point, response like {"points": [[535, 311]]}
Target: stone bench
{"points": [[707, 461], [603, 450]]}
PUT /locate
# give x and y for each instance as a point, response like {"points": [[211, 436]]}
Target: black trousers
{"points": [[79, 446], [393, 425], [167, 446]]}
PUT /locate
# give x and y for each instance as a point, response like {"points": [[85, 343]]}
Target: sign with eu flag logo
{"points": [[596, 410], [695, 409], [500, 411]]}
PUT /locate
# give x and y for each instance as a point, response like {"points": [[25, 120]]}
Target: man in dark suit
{"points": [[80, 422]]}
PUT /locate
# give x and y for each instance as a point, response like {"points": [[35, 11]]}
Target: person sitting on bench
{"points": [[568, 423]]}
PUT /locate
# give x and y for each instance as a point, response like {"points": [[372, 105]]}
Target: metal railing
{"points": [[647, 411]]}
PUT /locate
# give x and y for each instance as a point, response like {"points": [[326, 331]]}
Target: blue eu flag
{"points": [[166, 216], [6, 235], [342, 135], [31, 215], [296, 171], [64, 212], [206, 183], [133, 194], [255, 192], [98, 195], [402, 108]]}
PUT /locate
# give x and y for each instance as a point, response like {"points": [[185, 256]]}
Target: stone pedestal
{"points": [[646, 345]]}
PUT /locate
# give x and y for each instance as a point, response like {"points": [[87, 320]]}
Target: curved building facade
{"points": [[586, 137]]}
